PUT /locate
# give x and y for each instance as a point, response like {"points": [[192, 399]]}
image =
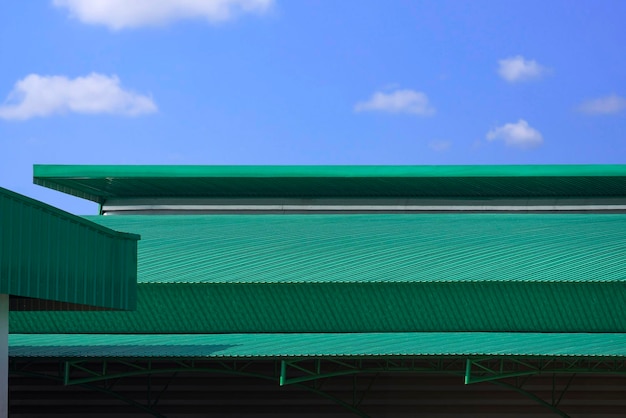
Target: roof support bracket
{"points": [[491, 369], [305, 370]]}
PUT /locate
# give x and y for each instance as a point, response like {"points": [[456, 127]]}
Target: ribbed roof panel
{"points": [[350, 307], [366, 273], [378, 248], [318, 345]]}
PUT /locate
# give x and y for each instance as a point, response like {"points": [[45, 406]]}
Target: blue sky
{"points": [[308, 82]]}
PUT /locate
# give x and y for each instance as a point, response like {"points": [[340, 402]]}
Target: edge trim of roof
{"points": [[43, 172], [66, 215]]}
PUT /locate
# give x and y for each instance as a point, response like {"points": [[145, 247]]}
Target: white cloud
{"points": [[399, 101], [604, 105], [439, 146], [517, 135], [37, 95], [119, 14], [517, 68]]}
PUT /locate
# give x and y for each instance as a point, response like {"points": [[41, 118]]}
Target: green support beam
{"points": [[310, 374], [492, 369]]}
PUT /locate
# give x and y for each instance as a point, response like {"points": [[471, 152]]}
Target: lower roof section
{"points": [[270, 346], [349, 307]]}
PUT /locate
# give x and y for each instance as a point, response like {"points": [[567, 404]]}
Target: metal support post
{"points": [[4, 356], [283, 373]]}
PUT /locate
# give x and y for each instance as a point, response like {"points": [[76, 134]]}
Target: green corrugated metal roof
{"points": [[318, 345], [367, 273], [350, 307], [99, 183], [46, 253], [377, 248]]}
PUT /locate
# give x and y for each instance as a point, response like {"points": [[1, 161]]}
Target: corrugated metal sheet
{"points": [[367, 273], [378, 248], [49, 254], [319, 345], [350, 307], [101, 182]]}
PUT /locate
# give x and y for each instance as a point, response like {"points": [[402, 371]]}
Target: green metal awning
{"points": [[99, 183], [271, 346], [51, 255]]}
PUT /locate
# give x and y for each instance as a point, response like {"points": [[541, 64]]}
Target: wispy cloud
{"points": [[37, 95], [517, 135], [604, 105], [399, 101], [517, 69], [119, 14], [439, 145]]}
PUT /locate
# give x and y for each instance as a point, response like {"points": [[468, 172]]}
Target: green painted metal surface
{"points": [[366, 273], [46, 253], [318, 345], [377, 248], [350, 307], [99, 183]]}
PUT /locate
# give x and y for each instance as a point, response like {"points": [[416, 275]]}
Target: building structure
{"points": [[51, 260], [344, 291]]}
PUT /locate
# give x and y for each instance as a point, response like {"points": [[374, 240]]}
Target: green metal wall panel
{"points": [[351, 307], [49, 254], [98, 183], [318, 345]]}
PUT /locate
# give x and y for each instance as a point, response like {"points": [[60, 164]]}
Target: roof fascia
{"points": [[42, 172]]}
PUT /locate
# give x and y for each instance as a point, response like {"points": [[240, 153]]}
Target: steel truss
{"points": [[489, 369], [102, 374]]}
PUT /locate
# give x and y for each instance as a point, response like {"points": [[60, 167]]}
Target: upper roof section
{"points": [[378, 248], [102, 183]]}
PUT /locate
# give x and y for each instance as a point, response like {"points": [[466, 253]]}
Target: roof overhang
{"points": [[103, 183], [319, 345]]}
